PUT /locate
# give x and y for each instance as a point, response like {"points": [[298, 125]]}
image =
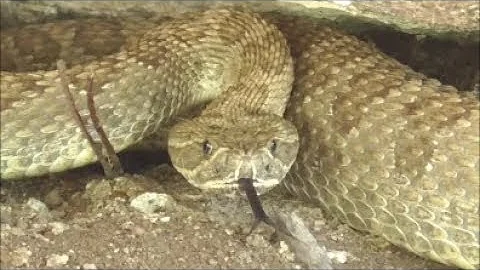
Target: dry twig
{"points": [[103, 149], [110, 155]]}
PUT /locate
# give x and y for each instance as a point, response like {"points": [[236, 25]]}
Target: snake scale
{"points": [[383, 148]]}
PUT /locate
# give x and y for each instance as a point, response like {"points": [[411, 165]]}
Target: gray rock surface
{"points": [[420, 17]]}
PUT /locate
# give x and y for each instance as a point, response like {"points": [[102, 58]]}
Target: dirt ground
{"points": [[77, 220]]}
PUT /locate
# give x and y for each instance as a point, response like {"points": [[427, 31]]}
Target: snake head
{"points": [[214, 152]]}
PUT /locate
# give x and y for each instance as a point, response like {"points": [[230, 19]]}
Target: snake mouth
{"points": [[257, 183], [260, 185]]}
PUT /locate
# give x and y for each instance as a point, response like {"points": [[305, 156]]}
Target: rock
{"points": [[424, 17], [338, 256], [150, 202], [5, 228], [56, 260], [138, 230], [132, 185], [212, 261], [301, 242], [37, 206], [318, 224], [20, 257], [6, 215], [98, 190], [257, 240], [53, 198], [127, 225], [39, 209], [165, 219], [442, 20], [89, 266], [58, 227], [283, 247], [17, 231], [285, 251]]}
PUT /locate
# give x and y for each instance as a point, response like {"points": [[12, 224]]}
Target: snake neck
{"points": [[238, 61]]}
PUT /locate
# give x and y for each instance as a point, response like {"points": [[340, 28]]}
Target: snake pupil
{"points": [[207, 147]]}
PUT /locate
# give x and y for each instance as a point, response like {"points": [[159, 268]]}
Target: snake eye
{"points": [[207, 147], [273, 146]]}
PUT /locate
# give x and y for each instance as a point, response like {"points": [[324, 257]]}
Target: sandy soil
{"points": [[77, 220]]}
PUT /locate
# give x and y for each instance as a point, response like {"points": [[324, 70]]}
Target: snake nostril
{"points": [[267, 168]]}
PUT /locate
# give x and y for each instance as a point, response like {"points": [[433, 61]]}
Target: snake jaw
{"points": [[230, 183], [238, 148]]}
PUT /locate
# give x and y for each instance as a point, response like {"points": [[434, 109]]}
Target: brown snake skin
{"points": [[383, 148]]}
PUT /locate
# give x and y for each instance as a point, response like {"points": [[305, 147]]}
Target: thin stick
{"points": [[108, 168], [111, 157], [66, 90]]}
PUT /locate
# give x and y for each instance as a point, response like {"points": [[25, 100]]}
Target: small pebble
{"points": [[41, 237], [20, 257], [56, 260], [337, 256], [318, 224], [89, 266], [53, 198], [151, 202], [257, 240], [38, 210], [138, 230], [98, 190], [17, 231], [337, 237], [212, 262], [6, 214], [37, 206], [152, 219], [58, 227], [283, 247], [5, 227], [127, 225], [164, 219]]}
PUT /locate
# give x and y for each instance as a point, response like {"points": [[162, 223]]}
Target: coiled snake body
{"points": [[381, 147]]}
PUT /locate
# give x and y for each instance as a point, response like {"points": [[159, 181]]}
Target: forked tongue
{"points": [[299, 239], [246, 184]]}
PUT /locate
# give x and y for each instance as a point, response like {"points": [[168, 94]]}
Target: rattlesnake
{"points": [[383, 148]]}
